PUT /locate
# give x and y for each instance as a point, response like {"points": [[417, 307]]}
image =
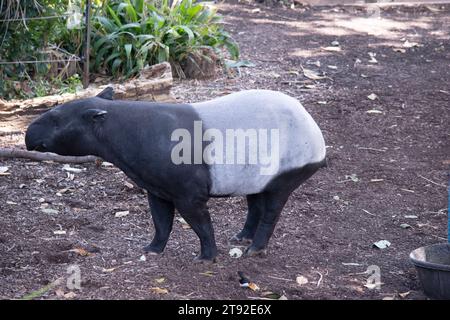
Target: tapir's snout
{"points": [[34, 139]]}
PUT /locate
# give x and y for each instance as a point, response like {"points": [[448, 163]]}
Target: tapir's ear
{"points": [[107, 93], [94, 115]]}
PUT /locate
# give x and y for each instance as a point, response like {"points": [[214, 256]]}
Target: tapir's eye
{"points": [[54, 119]]}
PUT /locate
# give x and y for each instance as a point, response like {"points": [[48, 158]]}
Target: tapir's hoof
{"points": [[238, 240], [202, 260], [151, 250], [253, 252]]}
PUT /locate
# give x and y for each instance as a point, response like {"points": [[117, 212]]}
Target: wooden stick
{"points": [[373, 149], [278, 278], [10, 153], [435, 183], [7, 133]]}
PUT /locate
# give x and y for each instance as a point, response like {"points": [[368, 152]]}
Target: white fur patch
{"points": [[300, 139]]}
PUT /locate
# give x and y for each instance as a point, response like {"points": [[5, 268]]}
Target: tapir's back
{"points": [[282, 126]]}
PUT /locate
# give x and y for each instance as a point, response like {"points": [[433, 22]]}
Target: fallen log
{"points": [[11, 153], [153, 84]]}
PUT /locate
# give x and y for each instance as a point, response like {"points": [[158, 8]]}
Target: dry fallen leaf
{"points": [[70, 295], [301, 280], [59, 232], [408, 44], [382, 244], [159, 290], [253, 286], [331, 49], [108, 270], [270, 295], [68, 168], [128, 185], [310, 74], [3, 170], [59, 293], [374, 111], [121, 214], [294, 72], [316, 63], [63, 190], [160, 280], [433, 9], [81, 252], [404, 294], [49, 211], [372, 286], [183, 222], [372, 96]]}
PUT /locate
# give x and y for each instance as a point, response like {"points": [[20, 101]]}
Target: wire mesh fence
{"points": [[58, 55]]}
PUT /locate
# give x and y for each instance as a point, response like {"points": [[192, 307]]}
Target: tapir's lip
{"points": [[41, 147]]}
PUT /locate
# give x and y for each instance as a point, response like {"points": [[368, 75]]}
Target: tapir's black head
{"points": [[69, 129]]}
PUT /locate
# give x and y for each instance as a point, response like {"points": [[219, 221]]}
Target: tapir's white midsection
{"points": [[300, 139]]}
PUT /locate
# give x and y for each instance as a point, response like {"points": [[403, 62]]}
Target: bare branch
{"points": [[11, 153]]}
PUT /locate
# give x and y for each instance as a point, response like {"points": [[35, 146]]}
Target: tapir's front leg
{"points": [[196, 214], [162, 215]]}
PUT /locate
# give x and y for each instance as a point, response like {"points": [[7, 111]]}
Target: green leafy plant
{"points": [[130, 34], [34, 40]]}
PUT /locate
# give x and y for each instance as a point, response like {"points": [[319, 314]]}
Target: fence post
{"points": [[87, 44]]}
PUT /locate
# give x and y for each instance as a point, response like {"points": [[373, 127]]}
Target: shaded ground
{"points": [[329, 224]]}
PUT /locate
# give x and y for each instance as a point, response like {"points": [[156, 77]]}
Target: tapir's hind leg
{"points": [[256, 205], [273, 205], [275, 196], [196, 214], [162, 215]]}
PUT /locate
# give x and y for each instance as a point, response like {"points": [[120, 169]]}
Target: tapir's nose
{"points": [[33, 141]]}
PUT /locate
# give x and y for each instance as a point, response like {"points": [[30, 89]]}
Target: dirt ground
{"points": [[386, 168]]}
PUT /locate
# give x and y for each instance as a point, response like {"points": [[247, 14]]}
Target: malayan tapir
{"points": [[182, 155]]}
